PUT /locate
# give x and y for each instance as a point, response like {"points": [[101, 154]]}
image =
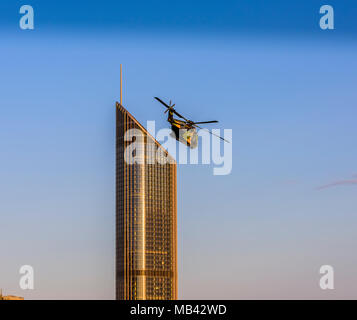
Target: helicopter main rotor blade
{"points": [[213, 121], [175, 112], [158, 99], [212, 133], [171, 108]]}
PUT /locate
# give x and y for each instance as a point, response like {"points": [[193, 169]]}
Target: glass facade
{"points": [[146, 223]]}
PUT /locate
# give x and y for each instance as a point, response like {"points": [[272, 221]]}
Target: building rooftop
{"points": [[10, 297]]}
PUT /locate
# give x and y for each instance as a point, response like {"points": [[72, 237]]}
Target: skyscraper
{"points": [[146, 223]]}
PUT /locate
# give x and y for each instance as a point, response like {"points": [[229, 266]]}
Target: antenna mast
{"points": [[121, 86]]}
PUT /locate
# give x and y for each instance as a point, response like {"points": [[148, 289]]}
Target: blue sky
{"points": [[285, 88], [277, 16]]}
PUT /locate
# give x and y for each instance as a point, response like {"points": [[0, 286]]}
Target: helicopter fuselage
{"points": [[184, 132]]}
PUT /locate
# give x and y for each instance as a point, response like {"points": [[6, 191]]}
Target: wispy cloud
{"points": [[340, 183]]}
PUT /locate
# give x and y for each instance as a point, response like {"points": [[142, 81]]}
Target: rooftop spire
{"points": [[121, 86]]}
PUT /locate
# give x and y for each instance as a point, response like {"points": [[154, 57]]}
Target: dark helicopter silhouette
{"points": [[184, 130]]}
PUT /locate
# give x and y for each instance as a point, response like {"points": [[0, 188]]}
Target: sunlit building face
{"points": [[146, 222]]}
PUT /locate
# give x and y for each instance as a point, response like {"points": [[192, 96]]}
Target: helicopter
{"points": [[185, 130]]}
